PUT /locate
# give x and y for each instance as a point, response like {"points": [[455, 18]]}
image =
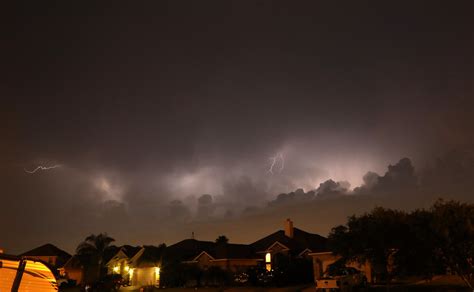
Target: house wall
{"points": [[74, 274], [235, 265], [144, 277], [204, 261], [121, 264]]}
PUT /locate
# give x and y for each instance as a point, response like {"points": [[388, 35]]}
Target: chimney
{"points": [[289, 228]]}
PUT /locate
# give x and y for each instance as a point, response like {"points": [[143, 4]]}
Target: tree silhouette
{"points": [[453, 226], [91, 251], [373, 237], [222, 239], [421, 243]]}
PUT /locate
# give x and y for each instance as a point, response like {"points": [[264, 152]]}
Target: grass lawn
{"points": [[438, 283]]}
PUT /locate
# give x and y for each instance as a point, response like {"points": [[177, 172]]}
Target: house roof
{"points": [[188, 249], [129, 250], [120, 255], [47, 250], [232, 251], [110, 252], [301, 240], [147, 256], [124, 252]]}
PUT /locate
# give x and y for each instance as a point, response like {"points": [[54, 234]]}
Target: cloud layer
{"points": [[165, 118], [63, 205]]}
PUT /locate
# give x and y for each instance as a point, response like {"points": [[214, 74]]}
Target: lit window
{"points": [[268, 262], [268, 258], [127, 268], [116, 269]]}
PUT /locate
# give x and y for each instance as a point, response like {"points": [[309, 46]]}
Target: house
{"points": [[49, 254], [119, 263], [227, 256], [291, 242], [192, 262], [187, 250], [73, 269], [138, 266], [145, 266]]}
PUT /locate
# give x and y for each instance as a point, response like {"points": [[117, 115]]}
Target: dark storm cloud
{"points": [[297, 196], [331, 188], [400, 178], [148, 107], [451, 175]]}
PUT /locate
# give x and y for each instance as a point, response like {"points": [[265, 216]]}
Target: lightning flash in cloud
{"points": [[278, 159], [42, 168]]}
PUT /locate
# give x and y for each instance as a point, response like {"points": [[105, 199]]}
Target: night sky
{"points": [[165, 117]]}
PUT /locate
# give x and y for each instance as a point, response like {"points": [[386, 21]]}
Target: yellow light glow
{"points": [[116, 269], [37, 277], [127, 268], [130, 272], [268, 267], [268, 258], [157, 275]]}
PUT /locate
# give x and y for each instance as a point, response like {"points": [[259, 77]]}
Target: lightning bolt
{"points": [[42, 168], [282, 164], [275, 159]]}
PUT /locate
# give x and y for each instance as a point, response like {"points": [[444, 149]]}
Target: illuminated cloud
{"points": [[109, 187], [146, 128]]}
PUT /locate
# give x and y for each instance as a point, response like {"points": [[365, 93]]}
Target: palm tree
{"points": [[92, 250]]}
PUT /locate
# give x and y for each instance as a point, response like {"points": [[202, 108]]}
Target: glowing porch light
{"points": [[157, 275], [116, 269], [127, 268]]}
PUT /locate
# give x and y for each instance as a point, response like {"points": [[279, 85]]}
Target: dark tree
{"points": [[417, 255], [420, 243], [453, 225], [91, 252], [374, 237], [222, 239]]}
